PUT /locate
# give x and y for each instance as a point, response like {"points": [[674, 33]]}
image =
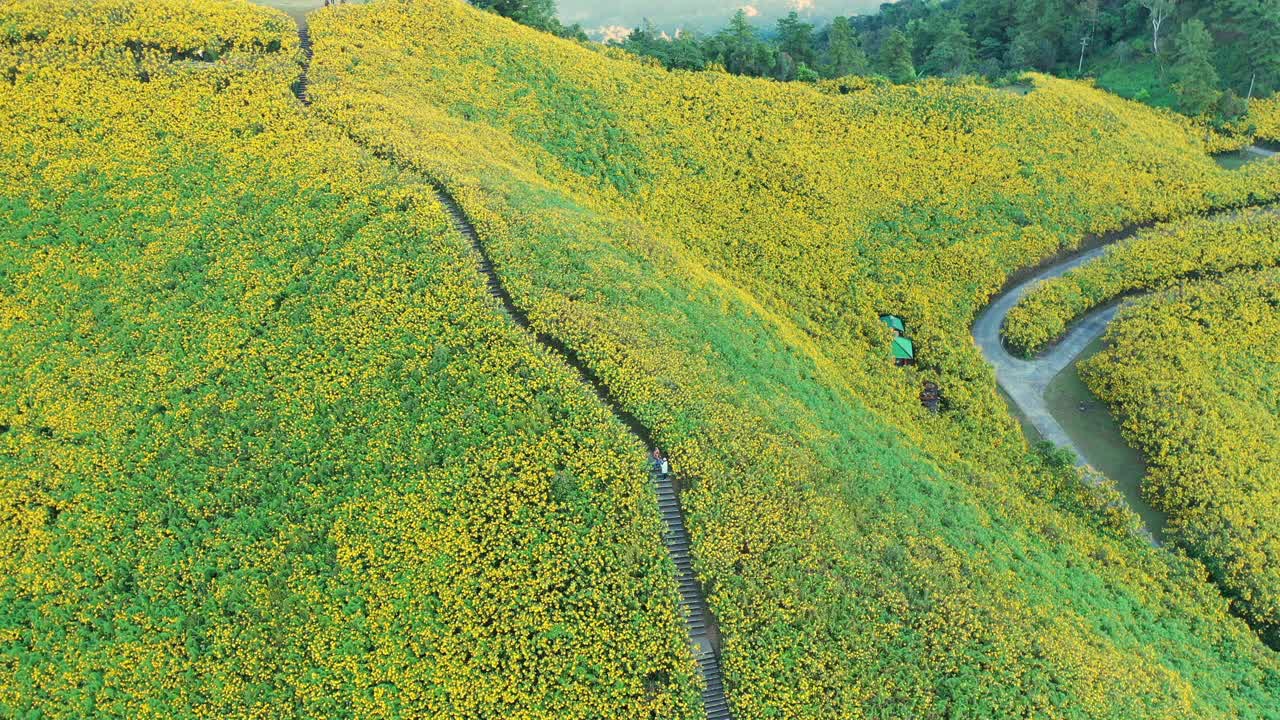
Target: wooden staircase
{"points": [[302, 86], [697, 616]]}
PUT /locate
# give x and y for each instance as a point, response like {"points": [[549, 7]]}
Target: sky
{"points": [[607, 18]]}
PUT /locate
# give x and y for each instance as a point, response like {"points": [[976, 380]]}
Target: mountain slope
{"points": [[267, 446], [718, 250]]}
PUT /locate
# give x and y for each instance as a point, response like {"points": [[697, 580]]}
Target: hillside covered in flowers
{"points": [[269, 449], [1156, 258]]}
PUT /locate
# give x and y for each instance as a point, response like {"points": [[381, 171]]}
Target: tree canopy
{"points": [[1200, 59]]}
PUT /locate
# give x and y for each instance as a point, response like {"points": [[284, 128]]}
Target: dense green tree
{"points": [[845, 55], [1196, 80], [900, 14], [923, 34], [539, 14], [1039, 26], [993, 37], [989, 23], [1258, 24], [1158, 11], [952, 53], [1231, 107], [784, 68], [795, 38], [645, 40], [686, 52], [740, 50], [1089, 12], [895, 58]]}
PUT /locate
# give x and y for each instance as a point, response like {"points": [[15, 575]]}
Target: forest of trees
{"points": [[1200, 57]]}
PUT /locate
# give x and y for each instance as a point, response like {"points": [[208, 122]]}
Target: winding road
{"points": [[1025, 381]]}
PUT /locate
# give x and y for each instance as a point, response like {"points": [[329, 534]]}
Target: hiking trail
{"points": [[700, 624]]}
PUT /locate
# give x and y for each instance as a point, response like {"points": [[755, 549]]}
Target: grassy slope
{"points": [[1140, 79], [718, 248], [267, 447]]}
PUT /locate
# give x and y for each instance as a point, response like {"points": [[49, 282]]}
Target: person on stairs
{"points": [[658, 463]]}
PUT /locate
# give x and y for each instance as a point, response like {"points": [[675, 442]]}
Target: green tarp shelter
{"points": [[903, 349], [894, 322]]}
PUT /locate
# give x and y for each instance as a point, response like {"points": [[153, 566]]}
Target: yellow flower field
{"points": [[718, 249], [269, 449]]}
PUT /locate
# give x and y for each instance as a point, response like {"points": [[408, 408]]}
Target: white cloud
{"points": [[801, 5], [612, 33], [751, 10]]}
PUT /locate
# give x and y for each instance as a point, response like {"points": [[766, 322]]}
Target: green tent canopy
{"points": [[894, 322], [903, 349]]}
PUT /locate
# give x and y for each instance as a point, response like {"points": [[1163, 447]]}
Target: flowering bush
{"points": [[1193, 374], [1151, 260], [1265, 115]]}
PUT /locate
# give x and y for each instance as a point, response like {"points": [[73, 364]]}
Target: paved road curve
{"points": [[1026, 380]]}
